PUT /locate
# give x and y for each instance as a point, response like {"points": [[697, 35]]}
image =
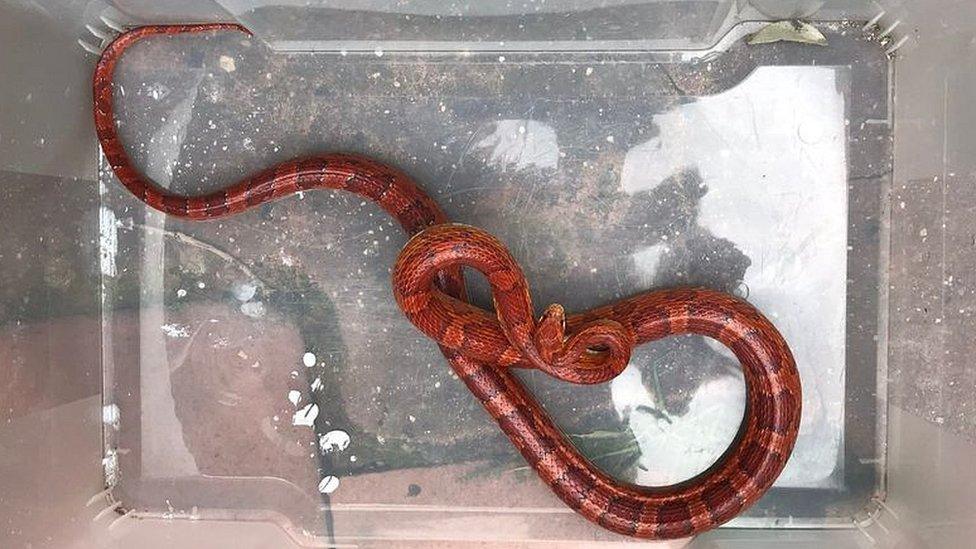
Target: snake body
{"points": [[483, 347]]}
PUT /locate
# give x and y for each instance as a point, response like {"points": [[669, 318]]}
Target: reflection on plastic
{"points": [[771, 153]]}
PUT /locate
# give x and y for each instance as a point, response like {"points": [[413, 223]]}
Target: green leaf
{"points": [[615, 452], [788, 31]]}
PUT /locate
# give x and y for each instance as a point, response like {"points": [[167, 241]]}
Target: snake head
{"points": [[595, 353], [550, 332], [598, 351]]}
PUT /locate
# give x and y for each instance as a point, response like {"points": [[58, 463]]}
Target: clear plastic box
{"points": [[251, 382]]}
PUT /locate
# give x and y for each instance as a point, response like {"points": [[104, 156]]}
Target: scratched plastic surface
{"points": [[258, 368]]}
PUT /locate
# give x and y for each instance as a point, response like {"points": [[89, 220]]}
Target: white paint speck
{"points": [[412, 419], [253, 309], [110, 466], [201, 285], [295, 397], [329, 484], [244, 291], [181, 293], [352, 459], [306, 416], [108, 240], [308, 359], [609, 139], [334, 441], [316, 384], [158, 91], [175, 330], [378, 52], [227, 63], [589, 71], [111, 415]]}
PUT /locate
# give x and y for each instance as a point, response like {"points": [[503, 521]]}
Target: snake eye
{"points": [[597, 349]]}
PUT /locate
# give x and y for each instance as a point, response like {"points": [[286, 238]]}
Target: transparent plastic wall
{"points": [[251, 383]]}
